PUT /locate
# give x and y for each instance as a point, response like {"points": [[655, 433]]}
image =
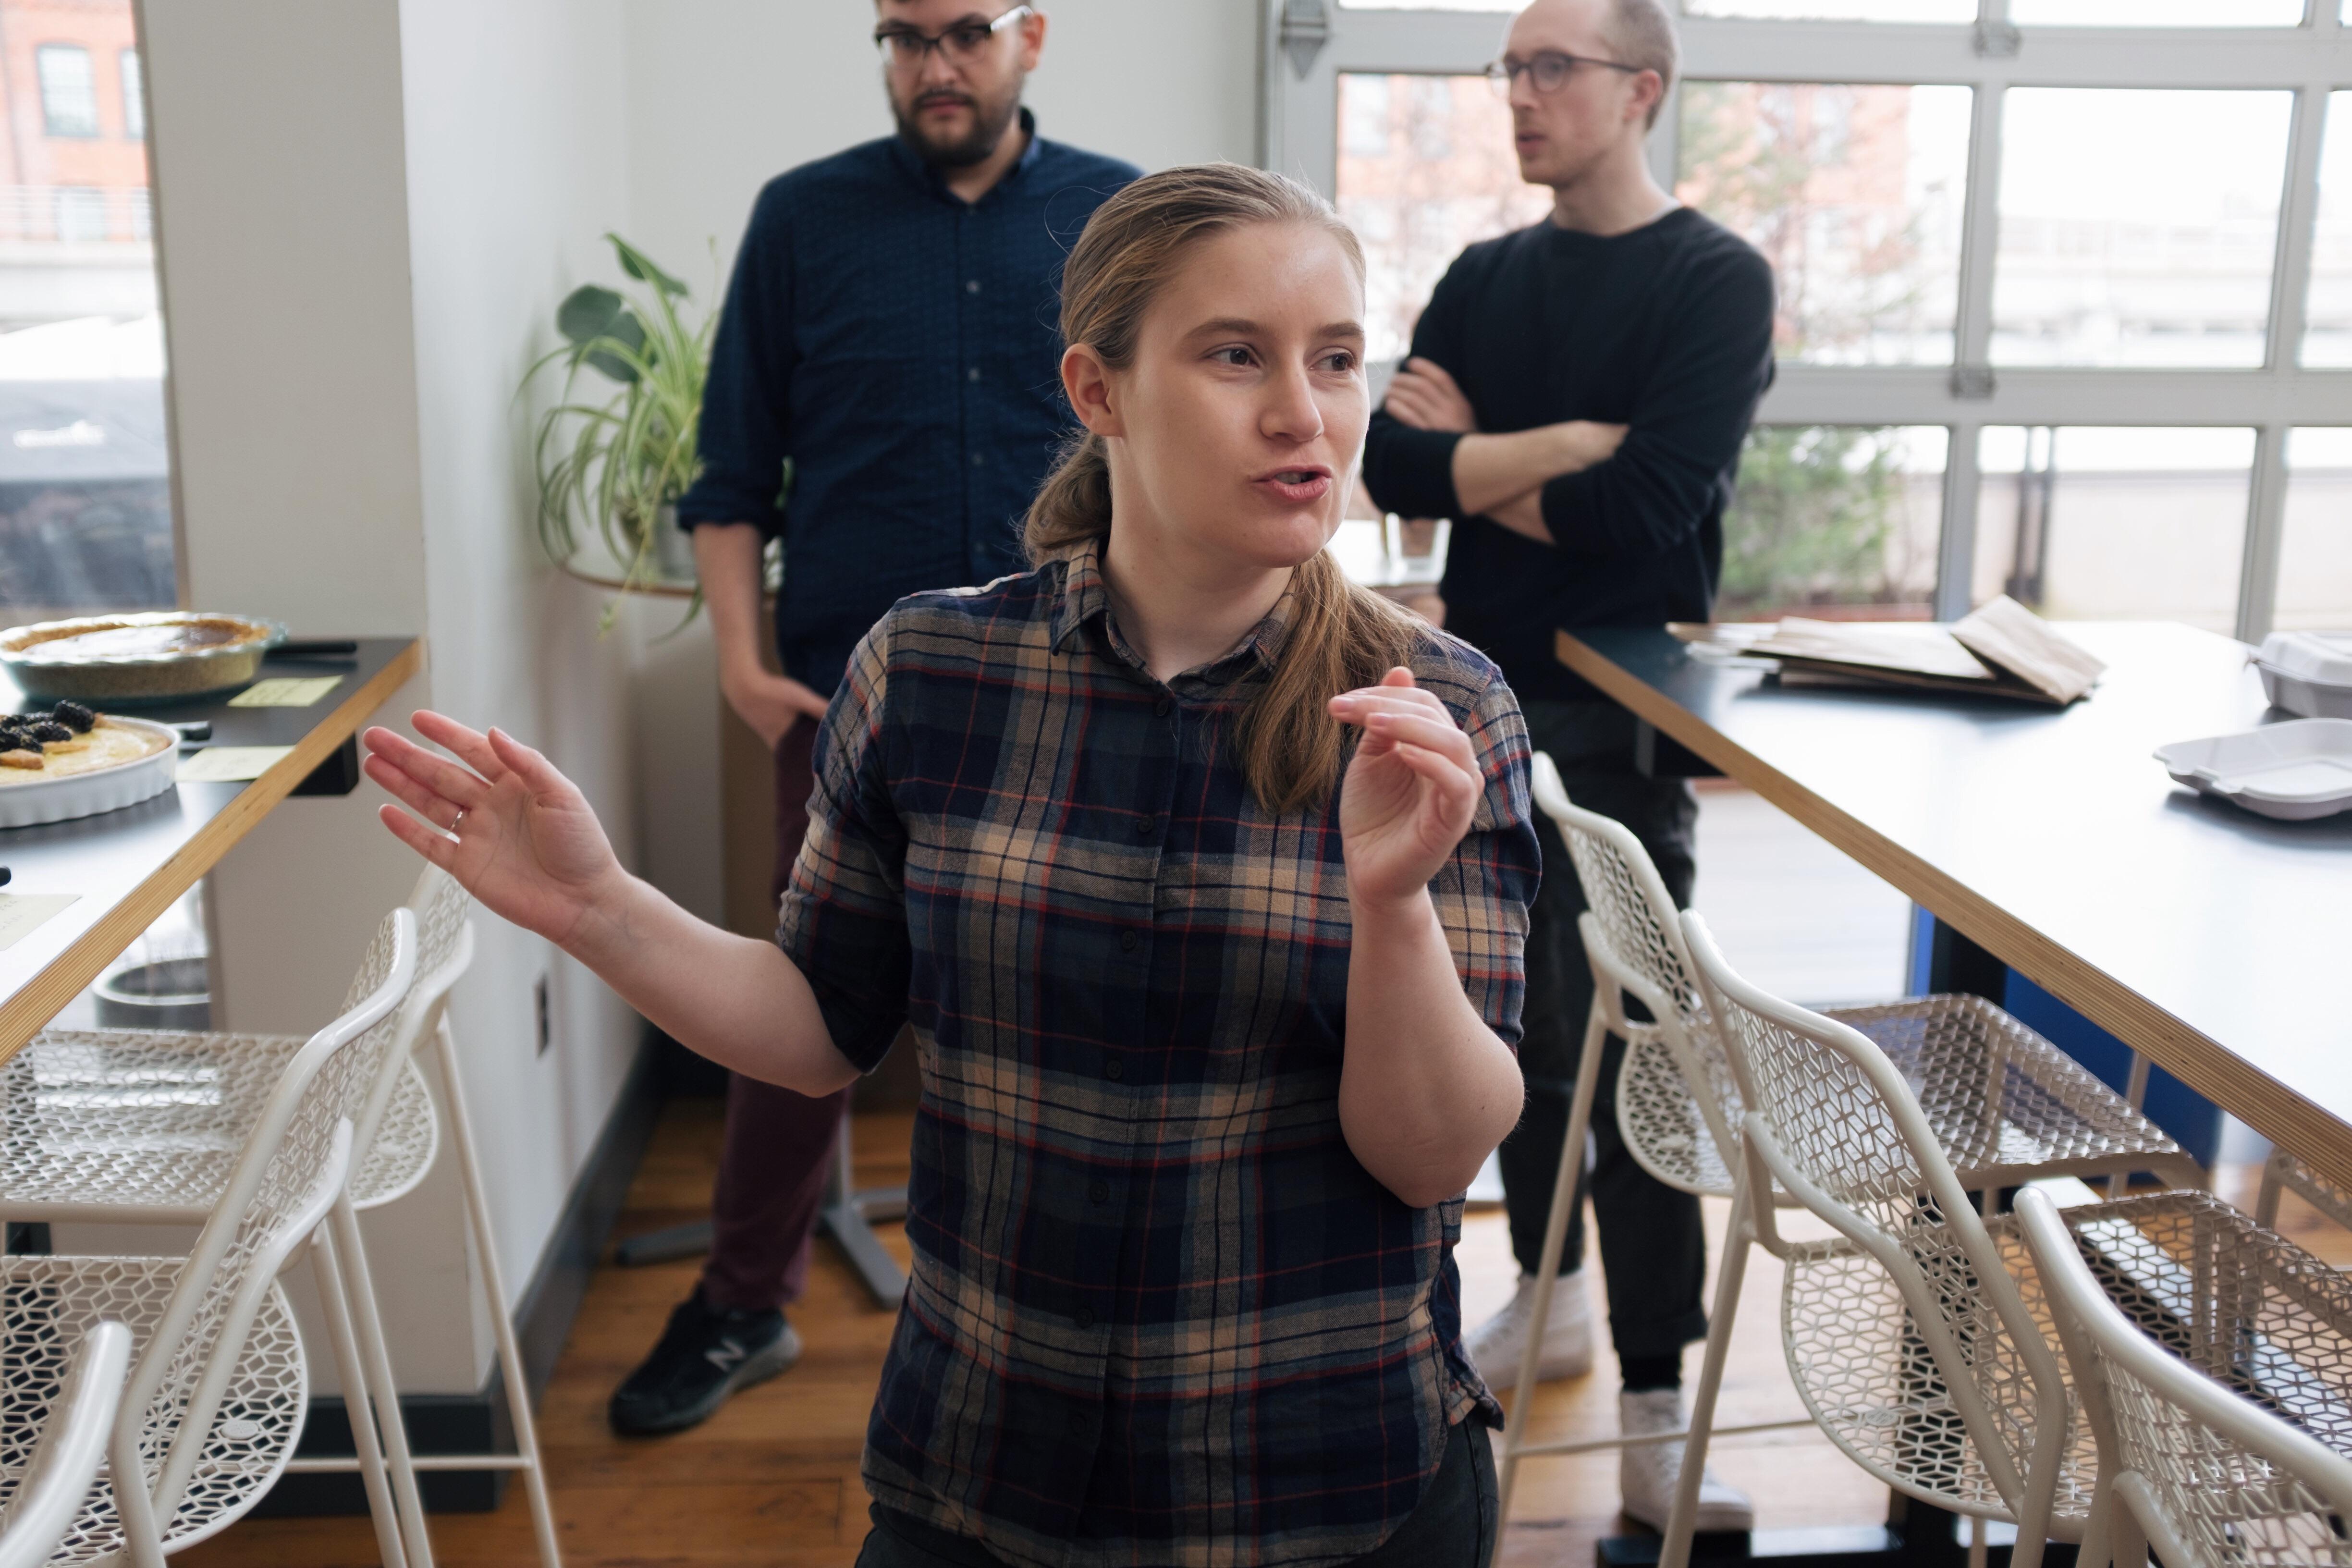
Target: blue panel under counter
{"points": [[1944, 960]]}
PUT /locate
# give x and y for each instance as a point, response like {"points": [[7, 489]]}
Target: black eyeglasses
{"points": [[905, 49], [1549, 69]]}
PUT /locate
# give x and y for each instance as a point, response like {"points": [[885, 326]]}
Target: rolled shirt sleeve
{"points": [[745, 431], [844, 916], [1485, 891]]}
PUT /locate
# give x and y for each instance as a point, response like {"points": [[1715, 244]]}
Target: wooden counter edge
{"points": [[66, 976], [2203, 1064]]}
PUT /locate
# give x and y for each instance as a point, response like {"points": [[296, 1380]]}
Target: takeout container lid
{"points": [[2322, 657], [2308, 673]]}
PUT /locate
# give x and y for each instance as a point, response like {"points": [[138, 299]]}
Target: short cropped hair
{"points": [[1644, 34]]}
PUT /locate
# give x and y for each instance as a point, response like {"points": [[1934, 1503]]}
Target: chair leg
{"points": [[143, 1540], [1563, 1204], [383, 1391], [2266, 1203], [510, 1366], [334, 1296], [1730, 1272]]}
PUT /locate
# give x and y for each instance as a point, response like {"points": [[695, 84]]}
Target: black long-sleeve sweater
{"points": [[1667, 330]]}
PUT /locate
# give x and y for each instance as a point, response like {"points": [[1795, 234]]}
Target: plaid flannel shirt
{"points": [[1159, 1314]]}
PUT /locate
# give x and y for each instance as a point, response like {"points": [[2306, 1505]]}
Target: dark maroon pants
{"points": [[778, 1147]]}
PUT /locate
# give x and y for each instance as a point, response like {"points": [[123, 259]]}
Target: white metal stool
{"points": [[219, 1389], [1906, 1335], [162, 1160], [399, 1134], [2212, 1360], [71, 1451], [2006, 1105]]}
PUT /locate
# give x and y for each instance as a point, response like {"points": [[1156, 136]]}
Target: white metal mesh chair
{"points": [[2212, 1360], [66, 1460], [157, 1155], [1905, 1335], [2006, 1105], [218, 1396]]}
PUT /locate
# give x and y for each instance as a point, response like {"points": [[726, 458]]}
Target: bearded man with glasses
{"points": [[1576, 400], [884, 396]]}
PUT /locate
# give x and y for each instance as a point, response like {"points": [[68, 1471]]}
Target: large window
{"points": [[85, 497], [2065, 286]]}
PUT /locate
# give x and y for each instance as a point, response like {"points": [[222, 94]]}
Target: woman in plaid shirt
{"points": [[1203, 876]]}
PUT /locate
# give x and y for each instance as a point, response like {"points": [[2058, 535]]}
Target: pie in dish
{"points": [[68, 740]]}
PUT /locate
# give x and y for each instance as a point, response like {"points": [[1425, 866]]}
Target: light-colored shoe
{"points": [[1495, 1345], [1646, 1474]]}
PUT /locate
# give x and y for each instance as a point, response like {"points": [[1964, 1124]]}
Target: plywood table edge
{"points": [[24, 1015], [2277, 1112]]}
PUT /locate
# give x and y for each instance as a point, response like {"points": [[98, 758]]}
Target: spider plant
{"points": [[611, 469]]}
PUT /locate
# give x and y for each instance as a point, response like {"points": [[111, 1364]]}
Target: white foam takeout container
{"points": [[107, 789], [2294, 771], [2308, 673]]}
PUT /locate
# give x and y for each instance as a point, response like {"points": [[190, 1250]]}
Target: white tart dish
{"points": [[35, 801]]}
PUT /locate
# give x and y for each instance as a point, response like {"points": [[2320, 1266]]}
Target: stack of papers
{"points": [[2002, 650]]}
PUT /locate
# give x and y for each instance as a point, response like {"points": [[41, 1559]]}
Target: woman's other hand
{"points": [[516, 834], [1411, 789]]}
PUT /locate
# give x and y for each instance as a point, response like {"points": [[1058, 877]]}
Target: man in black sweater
{"points": [[1576, 400]]}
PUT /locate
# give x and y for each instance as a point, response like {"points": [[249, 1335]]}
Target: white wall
{"points": [[515, 165], [725, 94], [369, 211]]}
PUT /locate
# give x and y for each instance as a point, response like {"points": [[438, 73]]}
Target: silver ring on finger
{"points": [[458, 821]]}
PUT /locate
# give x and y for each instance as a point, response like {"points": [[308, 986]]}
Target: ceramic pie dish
{"points": [[125, 761], [160, 657]]}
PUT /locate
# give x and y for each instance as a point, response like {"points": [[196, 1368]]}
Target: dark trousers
{"points": [[778, 1147], [1452, 1527], [1651, 1246]]}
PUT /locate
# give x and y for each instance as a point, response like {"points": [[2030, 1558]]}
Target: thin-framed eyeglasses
{"points": [[904, 48], [1548, 69]]}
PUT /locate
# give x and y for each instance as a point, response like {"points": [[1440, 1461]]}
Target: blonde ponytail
{"points": [[1341, 636]]}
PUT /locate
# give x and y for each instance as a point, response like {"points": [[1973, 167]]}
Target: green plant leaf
{"points": [[612, 350], [640, 266], [588, 312]]}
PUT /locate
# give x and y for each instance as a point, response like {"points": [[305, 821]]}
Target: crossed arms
{"points": [[1501, 477]]}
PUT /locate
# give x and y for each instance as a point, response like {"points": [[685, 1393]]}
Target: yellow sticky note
{"points": [[286, 691], [230, 764], [22, 914]]}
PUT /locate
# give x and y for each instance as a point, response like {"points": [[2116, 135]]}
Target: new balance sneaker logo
{"points": [[725, 1355]]}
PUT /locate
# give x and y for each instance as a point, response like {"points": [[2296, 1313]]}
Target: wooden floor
{"points": [[772, 1478]]}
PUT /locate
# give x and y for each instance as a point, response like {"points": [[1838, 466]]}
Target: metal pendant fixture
{"points": [[1306, 28]]}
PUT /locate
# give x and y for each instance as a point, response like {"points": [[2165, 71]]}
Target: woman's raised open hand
{"points": [[516, 834], [1410, 791]]}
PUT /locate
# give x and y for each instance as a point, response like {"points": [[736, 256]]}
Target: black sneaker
{"points": [[705, 1354]]}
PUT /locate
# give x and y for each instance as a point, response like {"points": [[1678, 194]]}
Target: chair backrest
{"points": [[445, 949], [285, 1181], [2213, 1479], [1832, 1118], [72, 1446], [1635, 943]]}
